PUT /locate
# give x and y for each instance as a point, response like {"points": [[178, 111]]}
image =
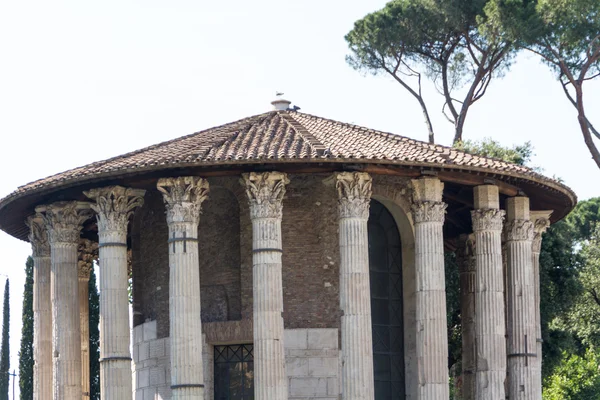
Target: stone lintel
{"points": [[427, 189], [486, 197], [517, 208]]}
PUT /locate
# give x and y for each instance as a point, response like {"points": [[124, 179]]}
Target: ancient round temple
{"points": [[287, 256]]}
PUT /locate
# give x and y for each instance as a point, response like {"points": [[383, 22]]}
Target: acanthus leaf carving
{"points": [[64, 220], [114, 205], [518, 229], [429, 211], [38, 235], [183, 197], [487, 219], [87, 253], [265, 193], [354, 194], [540, 225]]}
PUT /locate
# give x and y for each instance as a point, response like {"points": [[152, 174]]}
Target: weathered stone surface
{"points": [[466, 265], [265, 193], [42, 308], [113, 206], [523, 366], [63, 222], [183, 198], [490, 328], [432, 336], [354, 195], [541, 222]]}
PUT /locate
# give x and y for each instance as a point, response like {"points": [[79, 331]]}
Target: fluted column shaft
{"points": [[183, 198], [63, 221], [523, 367], [265, 195], [113, 206], [42, 309], [466, 260], [87, 252], [541, 222], [490, 328], [354, 196], [432, 332]]}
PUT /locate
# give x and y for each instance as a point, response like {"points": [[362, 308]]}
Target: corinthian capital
{"points": [[541, 222], [487, 219], [429, 211], [354, 194], [465, 253], [64, 220], [183, 197], [265, 193], [88, 252], [38, 235], [518, 229], [114, 205]]}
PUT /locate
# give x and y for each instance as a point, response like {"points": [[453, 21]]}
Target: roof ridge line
{"points": [[319, 147]]}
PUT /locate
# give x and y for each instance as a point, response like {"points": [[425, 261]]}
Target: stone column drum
{"points": [[42, 308], [541, 222], [466, 265], [183, 198], [64, 222], [88, 251], [432, 332], [354, 196], [490, 328], [113, 206], [522, 359], [265, 194]]}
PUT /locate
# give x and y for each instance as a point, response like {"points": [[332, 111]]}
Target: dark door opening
{"points": [[385, 267], [234, 372]]}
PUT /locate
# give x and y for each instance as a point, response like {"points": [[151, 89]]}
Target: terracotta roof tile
{"points": [[281, 135]]}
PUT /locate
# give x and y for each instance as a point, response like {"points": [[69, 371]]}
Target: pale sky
{"points": [[82, 81]]}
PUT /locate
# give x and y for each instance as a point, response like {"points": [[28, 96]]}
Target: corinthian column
{"points": [[265, 194], [490, 328], [466, 264], [64, 222], [113, 206], [88, 251], [42, 309], [541, 222], [432, 330], [523, 367], [354, 197], [183, 198]]}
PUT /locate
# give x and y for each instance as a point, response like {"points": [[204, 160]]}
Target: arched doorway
{"points": [[385, 266]]}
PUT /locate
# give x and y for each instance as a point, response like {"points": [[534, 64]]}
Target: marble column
{"points": [[42, 308], [490, 328], [64, 222], [265, 194], [113, 206], [541, 222], [432, 327], [466, 265], [354, 197], [183, 198], [88, 251], [520, 299]]}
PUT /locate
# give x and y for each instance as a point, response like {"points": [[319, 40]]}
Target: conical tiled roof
{"points": [[285, 137]]}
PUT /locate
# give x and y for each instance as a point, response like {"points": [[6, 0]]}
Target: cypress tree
{"points": [[4, 352], [94, 299], [26, 351]]}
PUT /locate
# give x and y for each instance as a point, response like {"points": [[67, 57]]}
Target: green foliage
{"points": [[26, 351], [584, 218], [5, 348], [94, 303], [576, 378], [452, 42], [519, 154]]}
